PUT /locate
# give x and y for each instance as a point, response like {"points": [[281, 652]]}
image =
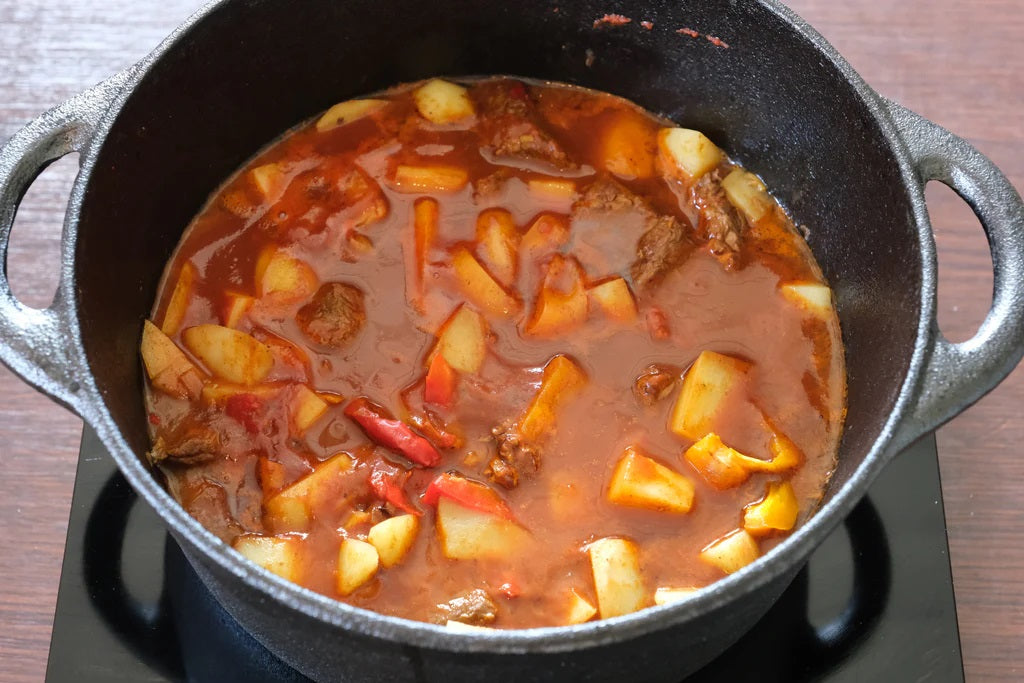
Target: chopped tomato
{"points": [[432, 427], [468, 493], [382, 428], [440, 383], [243, 408], [388, 482]]}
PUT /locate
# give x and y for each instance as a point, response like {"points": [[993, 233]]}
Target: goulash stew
{"points": [[501, 354]]}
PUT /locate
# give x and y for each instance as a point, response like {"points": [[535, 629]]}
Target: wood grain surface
{"points": [[958, 63]]}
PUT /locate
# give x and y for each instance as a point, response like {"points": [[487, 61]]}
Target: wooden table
{"points": [[958, 63]]}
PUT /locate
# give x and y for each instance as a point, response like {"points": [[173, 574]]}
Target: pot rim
{"points": [[772, 565]]}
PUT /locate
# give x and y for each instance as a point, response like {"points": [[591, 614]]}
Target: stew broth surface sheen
{"points": [[334, 200]]}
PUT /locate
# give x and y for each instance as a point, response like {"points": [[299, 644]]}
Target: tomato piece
{"points": [[388, 483], [468, 493], [432, 427], [243, 408], [394, 434], [440, 383]]}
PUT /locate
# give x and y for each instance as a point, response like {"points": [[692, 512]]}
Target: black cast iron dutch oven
{"points": [[158, 138]]}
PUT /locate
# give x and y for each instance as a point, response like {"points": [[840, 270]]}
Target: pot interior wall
{"points": [[253, 68]]}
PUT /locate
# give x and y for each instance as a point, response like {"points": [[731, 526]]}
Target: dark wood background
{"points": [[958, 63]]}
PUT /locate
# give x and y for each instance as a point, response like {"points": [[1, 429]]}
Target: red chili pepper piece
{"points": [[388, 482], [391, 433], [439, 386], [243, 408], [468, 493]]}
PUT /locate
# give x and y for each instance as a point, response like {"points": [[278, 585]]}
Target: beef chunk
{"points": [[334, 316], [510, 125], [514, 456], [661, 249], [720, 223], [654, 384], [192, 444], [606, 195], [472, 607]]}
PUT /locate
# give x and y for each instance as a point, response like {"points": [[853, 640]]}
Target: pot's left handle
{"points": [[35, 343]]}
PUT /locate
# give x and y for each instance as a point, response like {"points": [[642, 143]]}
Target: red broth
{"points": [[436, 355]]}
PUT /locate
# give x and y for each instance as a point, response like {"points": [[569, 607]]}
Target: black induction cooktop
{"points": [[875, 603]]}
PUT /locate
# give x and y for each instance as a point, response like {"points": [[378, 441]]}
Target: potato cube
{"points": [[721, 466], [283, 276], [347, 112], [277, 554], [811, 296], [640, 481], [229, 354], [627, 146], [417, 179], [731, 552], [498, 243], [235, 306], [271, 180], [615, 563], [217, 393], [178, 305], [665, 595], [747, 193], [580, 610], [463, 340], [357, 563], [561, 304], [306, 408], [706, 386], [271, 474], [293, 507], [614, 299], [167, 366], [393, 537], [440, 101], [561, 381], [468, 534], [560, 191], [481, 288], [548, 232], [777, 511], [689, 151]]}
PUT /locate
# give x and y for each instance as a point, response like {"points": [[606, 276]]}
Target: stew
{"points": [[495, 354]]}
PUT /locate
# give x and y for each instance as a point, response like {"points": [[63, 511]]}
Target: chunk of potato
{"points": [[640, 481], [217, 393], [689, 151], [235, 307], [441, 101], [777, 511], [732, 552], [357, 563], [271, 474], [347, 112], [811, 296], [614, 299], [436, 178], [560, 191], [178, 305], [580, 610], [561, 304], [746, 192], [284, 277], [548, 232], [168, 368], [707, 384], [229, 354], [291, 509], [270, 179], [481, 288], [278, 554], [306, 408], [468, 534], [561, 381], [615, 563], [393, 537], [498, 243], [721, 466], [627, 147], [462, 340], [665, 595]]}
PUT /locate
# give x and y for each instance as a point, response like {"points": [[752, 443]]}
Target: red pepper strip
{"points": [[439, 386], [468, 493], [384, 480], [392, 433], [243, 407]]}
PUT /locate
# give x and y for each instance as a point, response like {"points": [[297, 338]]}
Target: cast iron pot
{"points": [[158, 138]]}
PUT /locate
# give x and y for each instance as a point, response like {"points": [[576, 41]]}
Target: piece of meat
{"points": [[510, 125], [662, 248], [513, 458], [654, 384], [335, 315], [720, 224], [473, 607], [606, 195], [195, 443]]}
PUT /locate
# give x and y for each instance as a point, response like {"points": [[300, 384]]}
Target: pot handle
{"points": [[956, 375], [35, 343]]}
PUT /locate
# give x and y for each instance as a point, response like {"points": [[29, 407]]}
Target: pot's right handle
{"points": [[957, 375], [35, 343]]}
